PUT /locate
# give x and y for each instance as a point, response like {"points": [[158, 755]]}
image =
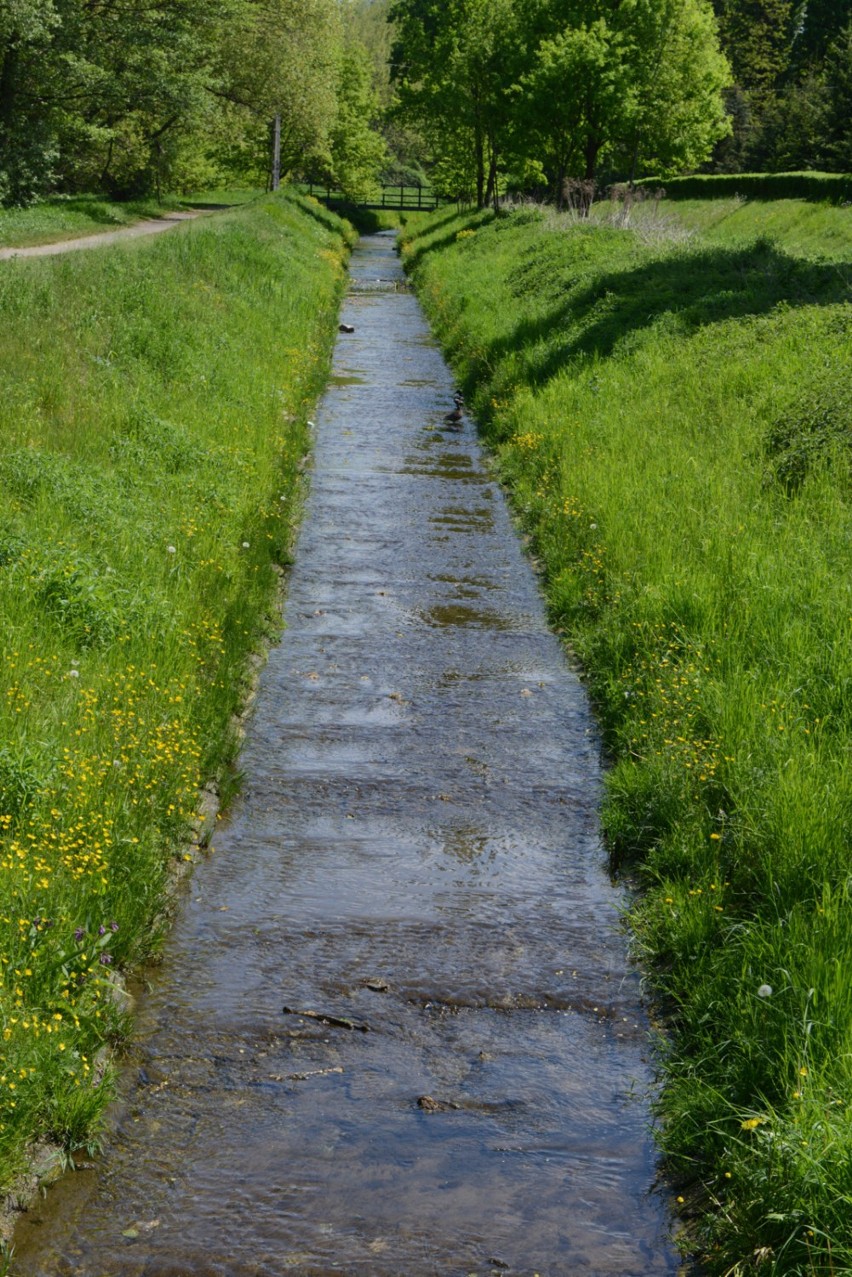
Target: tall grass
{"points": [[153, 411], [673, 419]]}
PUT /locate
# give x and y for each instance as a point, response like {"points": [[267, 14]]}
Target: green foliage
{"points": [[838, 121], [553, 90], [277, 57], [758, 37], [153, 405], [814, 432], [453, 65], [670, 406], [358, 151], [171, 95], [790, 103]]}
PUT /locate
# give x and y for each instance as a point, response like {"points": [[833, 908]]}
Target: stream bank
{"points": [[395, 1029]]}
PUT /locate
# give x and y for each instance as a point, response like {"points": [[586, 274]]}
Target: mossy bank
{"points": [[669, 399], [154, 405]]}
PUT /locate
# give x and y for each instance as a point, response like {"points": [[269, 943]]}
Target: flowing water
{"points": [[416, 862]]}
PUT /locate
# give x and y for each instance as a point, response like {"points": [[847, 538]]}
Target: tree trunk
{"points": [[590, 151], [491, 195], [8, 67], [633, 164]]}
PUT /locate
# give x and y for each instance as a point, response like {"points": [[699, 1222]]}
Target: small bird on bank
{"points": [[455, 417], [346, 328]]}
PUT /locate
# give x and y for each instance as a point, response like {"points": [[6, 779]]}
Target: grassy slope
{"points": [[68, 216], [153, 404], [674, 422]]}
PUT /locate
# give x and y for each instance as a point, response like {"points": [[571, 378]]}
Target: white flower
{"points": [[245, 545], [73, 673], [171, 549], [765, 991]]}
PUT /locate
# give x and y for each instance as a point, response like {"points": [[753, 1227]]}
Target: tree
{"points": [[640, 83], [27, 146], [357, 150], [820, 26], [453, 65], [837, 143], [571, 100], [278, 57], [676, 74], [757, 38]]}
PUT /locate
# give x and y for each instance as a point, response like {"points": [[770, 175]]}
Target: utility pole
{"points": [[276, 153]]}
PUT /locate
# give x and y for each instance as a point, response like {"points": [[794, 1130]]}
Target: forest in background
{"points": [[479, 96], [133, 98]]}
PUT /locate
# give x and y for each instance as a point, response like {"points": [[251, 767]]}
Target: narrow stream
{"points": [[417, 857]]}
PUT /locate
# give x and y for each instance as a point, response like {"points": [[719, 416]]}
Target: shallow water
{"points": [[416, 856]]}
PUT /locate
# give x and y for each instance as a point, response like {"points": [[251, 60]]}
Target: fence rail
{"points": [[392, 197]]}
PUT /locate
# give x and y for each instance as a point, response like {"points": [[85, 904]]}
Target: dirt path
{"points": [[150, 226]]}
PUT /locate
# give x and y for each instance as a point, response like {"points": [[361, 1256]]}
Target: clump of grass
{"points": [[153, 407], [672, 421]]}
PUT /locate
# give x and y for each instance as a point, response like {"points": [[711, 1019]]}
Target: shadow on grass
{"points": [[459, 220], [685, 292], [94, 208]]}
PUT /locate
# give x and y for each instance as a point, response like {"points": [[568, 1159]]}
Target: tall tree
{"points": [[27, 144], [357, 148], [453, 65], [821, 23], [279, 57], [639, 83], [837, 144]]}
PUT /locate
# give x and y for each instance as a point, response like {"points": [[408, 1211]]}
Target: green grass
{"points": [[218, 197], [153, 408], [68, 216], [672, 415], [805, 229], [64, 217]]}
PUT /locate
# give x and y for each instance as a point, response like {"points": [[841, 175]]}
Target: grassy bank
{"points": [[68, 216], [672, 414], [153, 410]]}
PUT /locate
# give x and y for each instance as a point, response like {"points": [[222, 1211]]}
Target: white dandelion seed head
{"points": [[73, 673], [765, 991], [171, 549], [245, 545]]}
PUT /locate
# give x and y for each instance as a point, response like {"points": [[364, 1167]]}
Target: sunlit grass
{"points": [[153, 409], [65, 216], [673, 418]]}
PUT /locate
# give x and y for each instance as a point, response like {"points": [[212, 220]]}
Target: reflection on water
{"points": [[395, 1031]]}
